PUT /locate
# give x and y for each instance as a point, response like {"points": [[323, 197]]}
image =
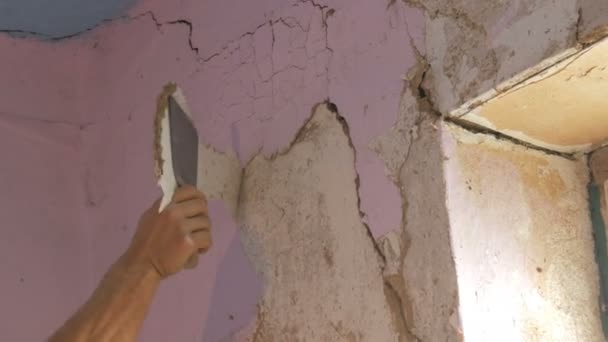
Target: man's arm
{"points": [[162, 245]]}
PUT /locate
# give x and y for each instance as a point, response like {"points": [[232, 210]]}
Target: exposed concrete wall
{"points": [[419, 264], [322, 273], [523, 244]]}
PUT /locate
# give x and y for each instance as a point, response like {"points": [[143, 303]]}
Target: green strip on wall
{"points": [[601, 252]]}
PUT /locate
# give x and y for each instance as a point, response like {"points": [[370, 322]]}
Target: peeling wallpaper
{"points": [[253, 73]]}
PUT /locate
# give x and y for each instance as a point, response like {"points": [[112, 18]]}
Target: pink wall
{"points": [[255, 78], [44, 245], [76, 124]]}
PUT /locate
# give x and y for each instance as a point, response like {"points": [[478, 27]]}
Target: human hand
{"points": [[169, 240]]}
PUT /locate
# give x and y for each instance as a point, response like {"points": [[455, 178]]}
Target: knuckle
{"points": [[204, 241], [173, 213], [187, 243]]}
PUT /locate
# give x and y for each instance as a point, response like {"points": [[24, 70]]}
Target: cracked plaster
{"points": [[274, 74], [472, 49], [419, 265], [561, 108], [313, 262], [252, 84]]}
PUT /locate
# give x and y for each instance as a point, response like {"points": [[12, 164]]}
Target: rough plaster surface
{"points": [[593, 21], [419, 264], [598, 162], [301, 225], [219, 176], [250, 91], [253, 91], [251, 77], [428, 272], [522, 240], [599, 165], [473, 47]]}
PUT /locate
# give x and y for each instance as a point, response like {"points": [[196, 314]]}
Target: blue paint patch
{"points": [[57, 18], [601, 250]]}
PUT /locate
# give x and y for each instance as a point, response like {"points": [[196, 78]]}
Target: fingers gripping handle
{"points": [[165, 201]]}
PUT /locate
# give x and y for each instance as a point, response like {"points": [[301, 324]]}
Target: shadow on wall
{"points": [[59, 18], [233, 303]]}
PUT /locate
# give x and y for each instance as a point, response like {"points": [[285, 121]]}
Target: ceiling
{"points": [[564, 108], [57, 18]]}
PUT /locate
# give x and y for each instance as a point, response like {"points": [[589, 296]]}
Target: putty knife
{"points": [[184, 145], [184, 152]]}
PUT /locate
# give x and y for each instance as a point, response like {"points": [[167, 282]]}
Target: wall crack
{"points": [[426, 104], [477, 129], [334, 109], [189, 25]]}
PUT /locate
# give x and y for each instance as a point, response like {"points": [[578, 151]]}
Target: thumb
{"points": [[156, 205]]}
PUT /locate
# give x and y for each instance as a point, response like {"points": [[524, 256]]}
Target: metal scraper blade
{"points": [[184, 145]]}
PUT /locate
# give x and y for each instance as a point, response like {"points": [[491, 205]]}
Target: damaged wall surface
{"points": [[562, 108], [475, 49], [251, 77], [313, 262], [522, 240]]}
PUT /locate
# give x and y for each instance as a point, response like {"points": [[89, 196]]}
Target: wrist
{"points": [[136, 264]]}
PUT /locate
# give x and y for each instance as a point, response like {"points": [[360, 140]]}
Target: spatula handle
{"points": [[193, 260]]}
